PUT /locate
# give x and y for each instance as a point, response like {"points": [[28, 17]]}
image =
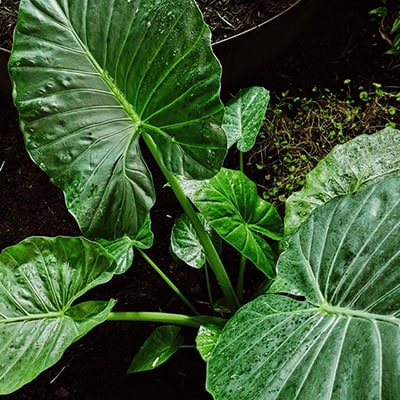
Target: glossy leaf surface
{"points": [[348, 167], [91, 77], [231, 205], [185, 243], [122, 252], [343, 341], [157, 349], [206, 340], [40, 279], [244, 115]]}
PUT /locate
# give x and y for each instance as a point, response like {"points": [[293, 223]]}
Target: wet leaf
{"points": [[90, 78], [122, 252], [206, 340], [244, 115], [348, 167], [40, 279], [185, 243], [343, 341], [231, 205]]}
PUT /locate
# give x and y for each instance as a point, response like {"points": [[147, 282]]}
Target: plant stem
{"points": [[209, 291], [205, 240], [241, 161], [168, 281], [240, 282], [166, 318]]}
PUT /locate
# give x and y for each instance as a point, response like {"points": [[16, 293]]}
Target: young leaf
{"points": [[157, 349], [91, 77], [40, 279], [185, 243], [121, 250], [343, 341], [244, 115], [206, 340], [231, 205], [348, 167]]}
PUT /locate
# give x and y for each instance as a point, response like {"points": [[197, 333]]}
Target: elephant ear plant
{"points": [[94, 81]]}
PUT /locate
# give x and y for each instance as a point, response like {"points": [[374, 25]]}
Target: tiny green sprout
{"points": [[303, 157], [288, 158], [390, 124], [378, 89], [379, 11], [282, 198], [364, 96], [392, 110]]}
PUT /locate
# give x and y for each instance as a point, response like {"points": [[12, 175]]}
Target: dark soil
{"points": [[342, 41], [230, 17], [225, 17]]}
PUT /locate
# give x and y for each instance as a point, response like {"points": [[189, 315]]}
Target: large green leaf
{"points": [[348, 167], [343, 341], [230, 203], [91, 77], [244, 115], [40, 278]]}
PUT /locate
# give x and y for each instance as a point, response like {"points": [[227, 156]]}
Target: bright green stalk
{"points": [[166, 318], [168, 281], [208, 247], [209, 291], [240, 282], [241, 161]]}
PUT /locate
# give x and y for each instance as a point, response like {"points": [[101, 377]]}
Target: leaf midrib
{"points": [[32, 317], [348, 312]]}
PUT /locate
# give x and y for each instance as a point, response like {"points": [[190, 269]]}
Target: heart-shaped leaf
{"points": [[185, 243], [343, 341], [122, 252], [91, 77], [230, 203], [348, 167], [244, 115], [40, 278]]}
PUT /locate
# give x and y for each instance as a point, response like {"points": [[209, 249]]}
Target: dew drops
{"points": [[66, 83]]}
